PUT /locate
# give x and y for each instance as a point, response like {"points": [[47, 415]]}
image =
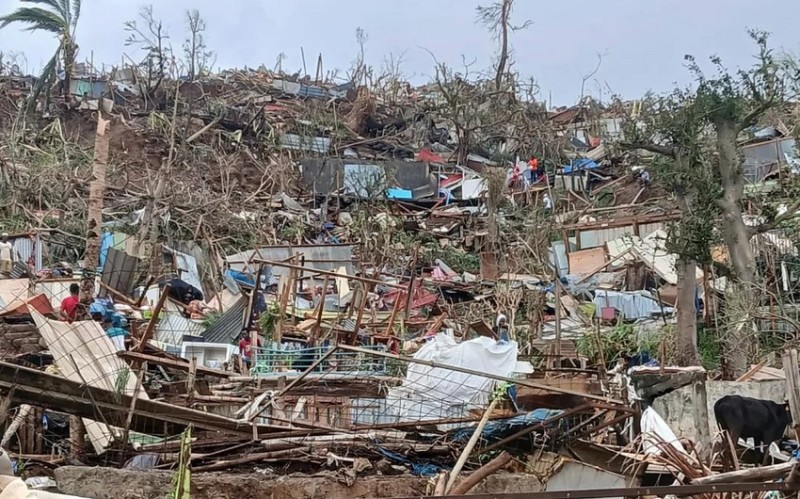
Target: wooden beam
{"points": [[151, 326], [410, 295], [78, 399], [623, 222], [180, 365]]}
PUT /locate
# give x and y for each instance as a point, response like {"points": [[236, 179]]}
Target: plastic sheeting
{"points": [[496, 429], [435, 393], [655, 429], [480, 354], [632, 305]]}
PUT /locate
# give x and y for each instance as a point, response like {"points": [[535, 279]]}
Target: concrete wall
{"points": [[679, 407]]}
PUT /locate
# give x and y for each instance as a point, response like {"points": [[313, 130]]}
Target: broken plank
{"points": [[150, 417], [180, 365]]}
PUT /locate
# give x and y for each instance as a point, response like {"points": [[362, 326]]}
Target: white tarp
{"points": [[437, 392], [654, 428]]}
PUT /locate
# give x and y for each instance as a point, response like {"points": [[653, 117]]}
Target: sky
{"points": [[640, 43]]}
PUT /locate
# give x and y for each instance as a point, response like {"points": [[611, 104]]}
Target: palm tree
{"points": [[59, 17]]}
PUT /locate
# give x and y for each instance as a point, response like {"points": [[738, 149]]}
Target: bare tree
{"points": [[199, 59], [151, 37], [496, 18], [359, 71]]}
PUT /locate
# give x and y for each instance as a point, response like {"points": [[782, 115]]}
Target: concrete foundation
{"points": [[109, 483]]}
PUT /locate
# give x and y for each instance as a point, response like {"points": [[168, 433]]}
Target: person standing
{"points": [[117, 332], [246, 349], [6, 254], [547, 202], [501, 327], [69, 305]]}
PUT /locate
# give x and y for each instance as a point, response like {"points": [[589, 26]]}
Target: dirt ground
{"points": [[109, 483]]}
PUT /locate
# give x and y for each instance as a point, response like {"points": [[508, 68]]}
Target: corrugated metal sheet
{"points": [[229, 325], [119, 272], [186, 265], [558, 258], [314, 92], [84, 353], [28, 248], [574, 475], [58, 289], [595, 238], [12, 290], [295, 142], [321, 257], [173, 326], [18, 271]]}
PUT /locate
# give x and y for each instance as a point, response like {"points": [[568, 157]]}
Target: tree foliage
{"points": [[59, 17]]}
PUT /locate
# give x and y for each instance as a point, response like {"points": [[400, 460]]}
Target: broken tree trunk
{"points": [[762, 473], [484, 471], [97, 189], [77, 438], [686, 354]]}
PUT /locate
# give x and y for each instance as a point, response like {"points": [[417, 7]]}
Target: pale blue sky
{"points": [[642, 41]]}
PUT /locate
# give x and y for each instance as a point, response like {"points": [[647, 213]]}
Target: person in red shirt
{"points": [[69, 305], [245, 348]]}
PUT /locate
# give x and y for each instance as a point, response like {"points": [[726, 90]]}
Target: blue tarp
{"points": [[498, 428], [106, 242], [398, 193], [419, 469], [580, 164]]}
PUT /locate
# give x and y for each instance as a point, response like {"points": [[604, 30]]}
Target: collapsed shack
{"points": [[332, 351], [357, 374]]}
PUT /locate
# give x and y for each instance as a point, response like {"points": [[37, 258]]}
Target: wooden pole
{"points": [[473, 440], [320, 310], [762, 473], [410, 295], [395, 309], [360, 314], [151, 326], [558, 323], [128, 420]]}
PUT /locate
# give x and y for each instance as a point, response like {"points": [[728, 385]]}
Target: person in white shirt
{"points": [[6, 254], [547, 202]]}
